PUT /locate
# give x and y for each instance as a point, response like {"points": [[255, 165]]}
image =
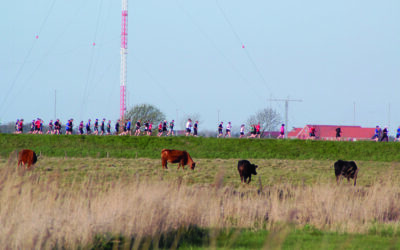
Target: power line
{"points": [[244, 47]]}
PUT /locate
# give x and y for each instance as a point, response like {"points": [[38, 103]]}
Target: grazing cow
{"points": [[27, 156], [246, 169], [347, 169], [176, 156]]}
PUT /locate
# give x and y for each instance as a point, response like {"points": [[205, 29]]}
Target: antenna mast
{"points": [[287, 100], [124, 53]]}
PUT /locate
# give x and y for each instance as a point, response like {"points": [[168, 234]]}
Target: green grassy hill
{"points": [[150, 147]]}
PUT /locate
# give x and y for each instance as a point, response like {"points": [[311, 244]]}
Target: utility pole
{"points": [[55, 104], [287, 100], [389, 116]]}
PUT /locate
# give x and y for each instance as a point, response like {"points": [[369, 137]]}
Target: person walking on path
{"points": [[88, 129], [128, 127], [188, 127], [282, 132], [338, 133], [252, 131], [171, 128], [150, 128], [312, 133], [397, 134], [228, 130], [377, 135], [164, 127], [195, 127], [51, 128], [117, 127], [241, 131], [258, 131], [109, 127], [160, 129], [81, 128], [137, 131], [103, 126], [220, 128], [385, 134]]}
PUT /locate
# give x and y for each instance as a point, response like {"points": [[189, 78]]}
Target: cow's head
{"points": [[193, 165], [253, 169]]}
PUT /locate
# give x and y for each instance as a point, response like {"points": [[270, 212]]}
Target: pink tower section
{"points": [[122, 101], [124, 41]]}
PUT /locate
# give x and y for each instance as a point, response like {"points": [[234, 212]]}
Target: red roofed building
{"points": [[328, 132]]}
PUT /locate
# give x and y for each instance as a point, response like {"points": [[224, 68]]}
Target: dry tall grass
{"points": [[42, 213]]}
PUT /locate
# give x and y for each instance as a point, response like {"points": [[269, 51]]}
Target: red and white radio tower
{"points": [[124, 53]]}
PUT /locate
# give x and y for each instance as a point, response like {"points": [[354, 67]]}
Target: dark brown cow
{"points": [[246, 169], [176, 156], [347, 169], [27, 156]]}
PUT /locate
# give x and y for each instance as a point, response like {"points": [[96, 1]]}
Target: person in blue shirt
{"points": [[102, 126], [109, 127], [397, 134], [171, 128], [88, 129], [96, 127], [377, 134], [67, 127], [128, 127]]}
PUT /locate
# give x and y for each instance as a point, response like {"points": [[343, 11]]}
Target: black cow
{"points": [[347, 169], [246, 169]]}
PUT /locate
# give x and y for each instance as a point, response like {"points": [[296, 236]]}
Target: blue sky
{"points": [[186, 57]]}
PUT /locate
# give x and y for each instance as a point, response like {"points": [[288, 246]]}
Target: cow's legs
{"points": [[181, 163], [249, 179], [355, 177], [337, 179], [164, 164]]}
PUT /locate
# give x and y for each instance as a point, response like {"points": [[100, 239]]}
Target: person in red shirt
{"points": [[160, 129], [20, 126], [312, 133], [258, 130], [37, 126]]}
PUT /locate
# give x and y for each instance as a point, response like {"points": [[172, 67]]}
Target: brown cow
{"points": [[27, 156], [176, 156]]}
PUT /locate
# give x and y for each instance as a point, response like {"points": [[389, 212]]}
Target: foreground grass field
{"points": [[133, 203], [204, 148]]}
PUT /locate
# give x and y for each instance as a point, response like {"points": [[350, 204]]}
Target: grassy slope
{"points": [[145, 147]]}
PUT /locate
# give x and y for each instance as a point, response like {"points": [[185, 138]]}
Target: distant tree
{"points": [[268, 118], [145, 112]]}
